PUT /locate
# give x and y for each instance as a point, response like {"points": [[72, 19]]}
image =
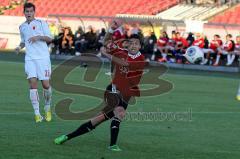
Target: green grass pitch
{"points": [[212, 133]]}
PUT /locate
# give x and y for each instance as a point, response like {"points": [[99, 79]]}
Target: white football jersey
{"points": [[38, 49]]}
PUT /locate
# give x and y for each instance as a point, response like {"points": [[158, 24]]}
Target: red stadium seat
{"points": [[229, 16], [100, 7]]}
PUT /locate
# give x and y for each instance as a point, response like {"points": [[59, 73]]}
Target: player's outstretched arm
{"points": [[18, 48], [113, 58]]}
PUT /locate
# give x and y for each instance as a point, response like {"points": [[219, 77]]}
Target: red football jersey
{"points": [[128, 78], [162, 42], [228, 45], [199, 42], [215, 44], [237, 46], [172, 42], [181, 42]]}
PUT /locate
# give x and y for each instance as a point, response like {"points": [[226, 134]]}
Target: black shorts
{"points": [[122, 103]]}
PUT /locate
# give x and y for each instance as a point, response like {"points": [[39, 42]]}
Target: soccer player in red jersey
{"points": [[199, 41], [180, 47], [226, 49], [129, 65], [237, 45], [161, 46], [212, 51]]}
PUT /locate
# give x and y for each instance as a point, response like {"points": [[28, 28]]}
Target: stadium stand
{"points": [[6, 5], [228, 17], [182, 12], [5, 2], [96, 7]]}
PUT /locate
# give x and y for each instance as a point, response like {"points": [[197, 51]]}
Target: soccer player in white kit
{"points": [[35, 35]]}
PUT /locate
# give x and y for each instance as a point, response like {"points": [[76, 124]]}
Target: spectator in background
{"points": [[100, 38], [181, 42], [206, 42], [125, 29], [79, 43], [57, 40], [205, 47], [180, 47], [172, 41], [79, 31], [237, 45], [212, 51], [67, 41], [199, 41], [54, 32], [135, 29], [162, 46], [53, 29], [141, 36], [171, 46], [190, 38], [149, 44], [227, 49], [91, 38]]}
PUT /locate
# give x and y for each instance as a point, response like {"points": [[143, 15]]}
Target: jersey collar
{"points": [[134, 56], [30, 22]]}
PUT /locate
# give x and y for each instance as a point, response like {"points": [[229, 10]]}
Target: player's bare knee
{"points": [[33, 83], [122, 115], [98, 119], [119, 112], [33, 86], [45, 84]]}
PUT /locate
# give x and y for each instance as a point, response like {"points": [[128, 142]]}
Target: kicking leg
{"points": [[83, 129]]}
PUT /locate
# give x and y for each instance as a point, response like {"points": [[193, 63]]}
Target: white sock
{"points": [[228, 58], [164, 55], [232, 59], [35, 100], [153, 57], [47, 94], [205, 61], [217, 60]]}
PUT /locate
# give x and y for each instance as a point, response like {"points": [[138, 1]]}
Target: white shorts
{"points": [[40, 68], [236, 51], [205, 51], [170, 47], [223, 52]]}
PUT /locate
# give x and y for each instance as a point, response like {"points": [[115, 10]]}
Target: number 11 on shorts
{"points": [[47, 73]]}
